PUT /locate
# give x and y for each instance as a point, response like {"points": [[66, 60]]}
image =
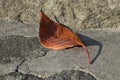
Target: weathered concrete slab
{"points": [[106, 64], [20, 51]]}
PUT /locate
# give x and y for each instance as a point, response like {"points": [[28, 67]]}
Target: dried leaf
{"points": [[56, 36]]}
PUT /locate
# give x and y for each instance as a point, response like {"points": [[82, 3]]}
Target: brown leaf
{"points": [[56, 36]]}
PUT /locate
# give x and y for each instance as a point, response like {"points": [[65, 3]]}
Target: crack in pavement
{"points": [[17, 67]]}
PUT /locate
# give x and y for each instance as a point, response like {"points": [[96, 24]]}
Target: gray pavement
{"points": [[21, 52]]}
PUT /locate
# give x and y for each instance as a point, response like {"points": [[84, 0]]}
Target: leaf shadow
{"points": [[87, 40], [90, 42]]}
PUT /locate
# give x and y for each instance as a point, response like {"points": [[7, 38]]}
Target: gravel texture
{"points": [[76, 14], [64, 75]]}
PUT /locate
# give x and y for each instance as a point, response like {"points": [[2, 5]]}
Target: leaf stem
{"points": [[87, 53]]}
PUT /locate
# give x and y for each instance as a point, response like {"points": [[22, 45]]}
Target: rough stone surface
{"points": [[76, 14], [21, 52], [18, 76], [64, 75]]}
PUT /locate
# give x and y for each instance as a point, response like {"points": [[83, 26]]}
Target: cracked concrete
{"points": [[20, 51], [17, 67]]}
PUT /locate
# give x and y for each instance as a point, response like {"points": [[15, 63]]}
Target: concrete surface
{"points": [[21, 52]]}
